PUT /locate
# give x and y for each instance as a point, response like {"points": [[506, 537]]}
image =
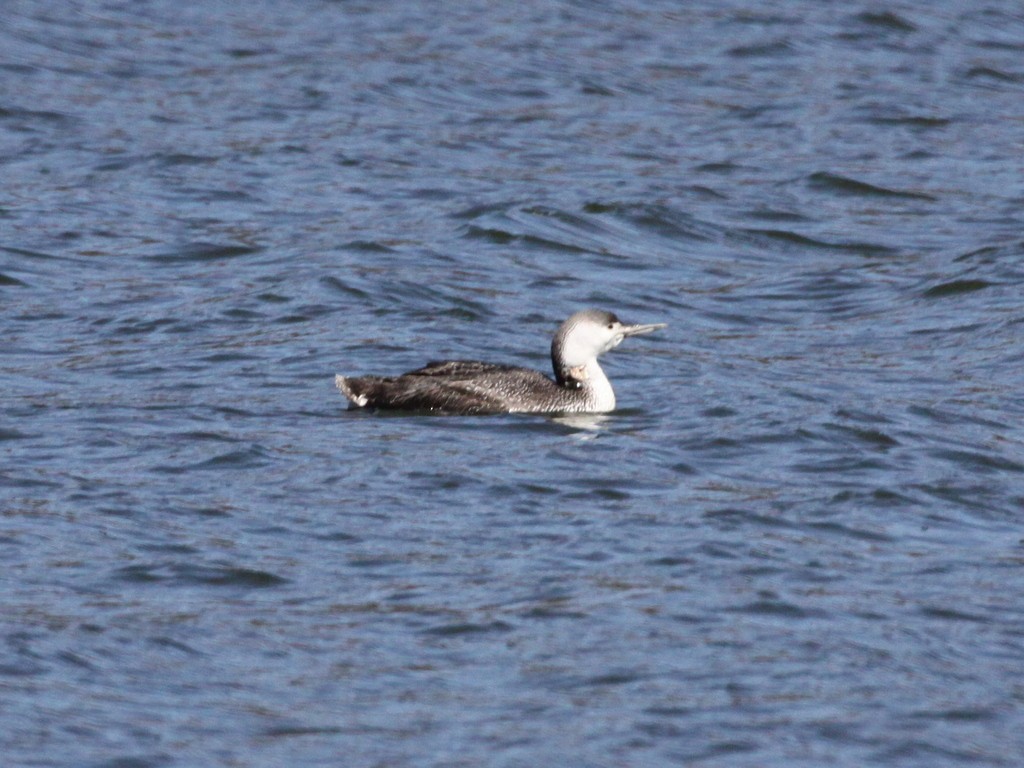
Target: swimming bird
{"points": [[471, 387]]}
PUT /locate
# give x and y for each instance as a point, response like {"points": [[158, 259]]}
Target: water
{"points": [[797, 543]]}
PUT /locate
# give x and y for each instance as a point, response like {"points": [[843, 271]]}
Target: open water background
{"points": [[798, 543]]}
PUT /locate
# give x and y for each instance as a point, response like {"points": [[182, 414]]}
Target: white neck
{"points": [[598, 388]]}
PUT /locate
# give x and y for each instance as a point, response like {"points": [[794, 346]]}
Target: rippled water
{"points": [[798, 542]]}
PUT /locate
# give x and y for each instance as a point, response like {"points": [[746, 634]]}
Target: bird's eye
{"points": [[611, 326]]}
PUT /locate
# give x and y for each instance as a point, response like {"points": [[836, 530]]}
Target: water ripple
{"points": [[194, 575]]}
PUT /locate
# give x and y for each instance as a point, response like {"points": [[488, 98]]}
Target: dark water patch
{"points": [[12, 434], [952, 614], [479, 211], [921, 751], [190, 575], [889, 498], [118, 164], [843, 185], [18, 69], [149, 371], [162, 641], [707, 192], [427, 301], [27, 664], [27, 119], [202, 252], [347, 161], [604, 494], [714, 752], [977, 499], [242, 314], [856, 465], [175, 159], [222, 195], [588, 86], [610, 485], [991, 74], [977, 461], [198, 435], [124, 510], [885, 20], [436, 194], [960, 714], [7, 280], [229, 357], [134, 761], [14, 481], [667, 711], [656, 218], [553, 281], [924, 122], [307, 313], [293, 319], [571, 220], [832, 291], [946, 416], [463, 628], [393, 608], [1000, 45], [770, 49], [760, 115], [777, 216], [848, 531], [994, 254], [273, 298], [39, 255], [866, 417], [137, 327], [733, 518], [249, 53], [797, 436], [882, 497], [871, 437], [339, 536], [74, 660], [252, 458], [138, 573], [768, 237], [291, 731], [170, 549], [719, 412], [720, 168], [39, 316], [956, 287], [778, 608], [374, 561], [344, 288], [624, 677], [553, 610], [367, 246], [948, 332], [503, 237]]}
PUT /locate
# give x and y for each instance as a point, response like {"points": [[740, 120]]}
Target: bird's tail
{"points": [[350, 388]]}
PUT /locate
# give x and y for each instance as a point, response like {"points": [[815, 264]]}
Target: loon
{"points": [[470, 387]]}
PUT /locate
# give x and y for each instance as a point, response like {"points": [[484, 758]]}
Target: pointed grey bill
{"points": [[636, 330]]}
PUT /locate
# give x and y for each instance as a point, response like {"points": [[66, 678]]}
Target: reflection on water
{"points": [[584, 422]]}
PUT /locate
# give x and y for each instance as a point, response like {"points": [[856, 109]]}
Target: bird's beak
{"points": [[637, 330]]}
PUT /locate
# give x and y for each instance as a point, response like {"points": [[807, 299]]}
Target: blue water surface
{"points": [[798, 542]]}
